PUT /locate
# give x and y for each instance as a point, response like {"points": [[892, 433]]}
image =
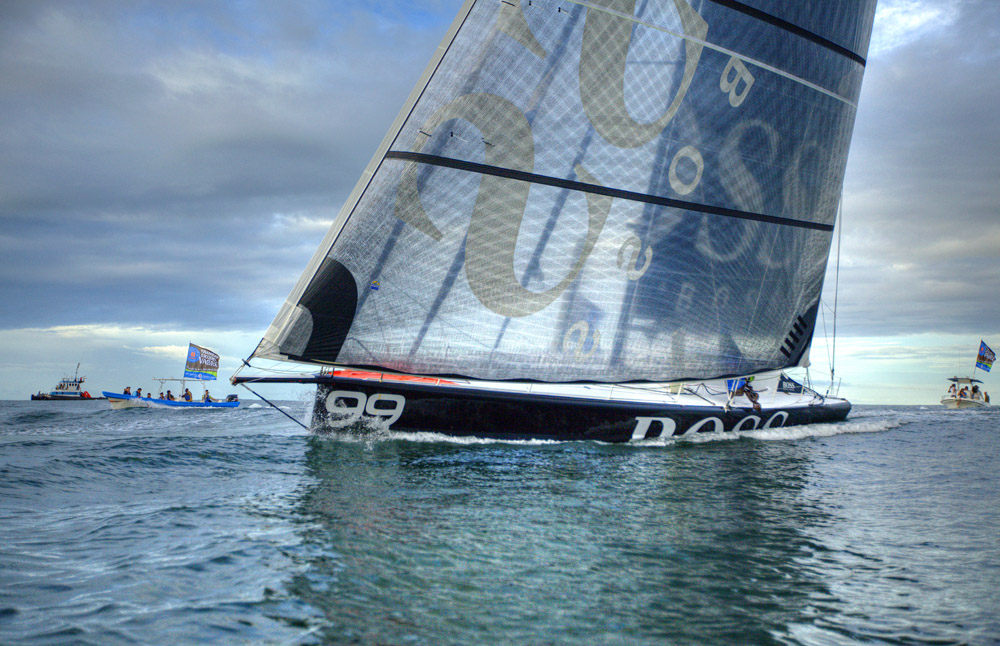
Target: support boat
{"points": [[202, 365]]}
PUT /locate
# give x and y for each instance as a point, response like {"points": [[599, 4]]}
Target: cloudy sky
{"points": [[168, 169]]}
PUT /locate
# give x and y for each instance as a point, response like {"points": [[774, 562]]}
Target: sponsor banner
{"points": [[788, 385], [986, 357], [202, 364]]}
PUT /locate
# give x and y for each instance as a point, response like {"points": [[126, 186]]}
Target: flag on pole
{"points": [[985, 359], [202, 363]]}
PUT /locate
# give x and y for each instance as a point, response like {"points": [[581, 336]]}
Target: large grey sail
{"points": [[608, 191]]}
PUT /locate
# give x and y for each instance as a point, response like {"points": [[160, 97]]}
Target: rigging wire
{"points": [[836, 287], [274, 407], [822, 313], [266, 401]]}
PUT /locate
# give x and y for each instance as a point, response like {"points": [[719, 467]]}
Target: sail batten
{"points": [[746, 59], [793, 28], [596, 191]]}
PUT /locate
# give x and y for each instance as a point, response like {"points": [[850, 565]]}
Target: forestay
{"points": [[609, 191]]}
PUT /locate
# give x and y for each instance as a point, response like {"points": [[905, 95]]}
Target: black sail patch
{"points": [[331, 300], [796, 342]]}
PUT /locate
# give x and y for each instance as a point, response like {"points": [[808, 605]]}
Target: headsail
{"points": [[609, 191], [201, 364]]}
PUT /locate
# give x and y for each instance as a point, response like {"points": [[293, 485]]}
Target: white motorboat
{"points": [[68, 389], [965, 393]]}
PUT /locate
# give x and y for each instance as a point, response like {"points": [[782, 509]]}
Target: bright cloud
{"points": [[900, 22]]}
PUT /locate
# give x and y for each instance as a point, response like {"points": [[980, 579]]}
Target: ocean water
{"points": [[238, 527]]}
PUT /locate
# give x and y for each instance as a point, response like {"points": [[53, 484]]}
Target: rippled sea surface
{"points": [[238, 527]]}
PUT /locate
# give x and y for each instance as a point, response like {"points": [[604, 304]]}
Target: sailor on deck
{"points": [[751, 394], [747, 391]]}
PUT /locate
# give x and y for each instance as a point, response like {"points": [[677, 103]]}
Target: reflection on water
{"points": [[566, 543]]}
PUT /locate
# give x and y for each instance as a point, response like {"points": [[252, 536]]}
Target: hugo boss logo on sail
{"points": [[507, 138]]}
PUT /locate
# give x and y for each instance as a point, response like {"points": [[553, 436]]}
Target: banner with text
{"points": [[986, 357], [202, 364]]}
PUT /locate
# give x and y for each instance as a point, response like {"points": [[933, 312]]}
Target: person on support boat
{"points": [[170, 396], [187, 395]]}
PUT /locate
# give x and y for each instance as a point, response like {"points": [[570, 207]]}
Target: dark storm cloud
{"points": [[922, 234], [170, 162]]}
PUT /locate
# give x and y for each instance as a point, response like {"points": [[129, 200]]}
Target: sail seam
{"points": [[791, 27], [721, 50], [596, 189]]}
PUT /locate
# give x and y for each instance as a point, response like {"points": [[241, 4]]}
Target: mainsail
{"points": [[609, 191], [201, 364]]}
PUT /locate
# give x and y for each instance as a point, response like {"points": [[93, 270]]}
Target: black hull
{"points": [[520, 416]]}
